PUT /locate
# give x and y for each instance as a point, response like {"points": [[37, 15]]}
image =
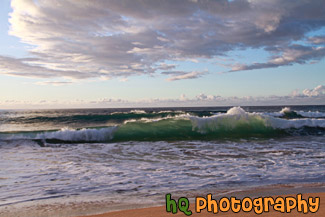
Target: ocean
{"points": [[139, 155]]}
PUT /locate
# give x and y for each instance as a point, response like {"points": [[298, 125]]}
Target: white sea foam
{"points": [[281, 113], [144, 169], [237, 116], [134, 111], [285, 110], [228, 121], [237, 111], [311, 114], [66, 134], [279, 123], [149, 120], [138, 111]]}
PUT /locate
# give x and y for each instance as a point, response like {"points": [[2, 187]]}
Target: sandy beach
{"points": [[74, 208], [161, 211]]}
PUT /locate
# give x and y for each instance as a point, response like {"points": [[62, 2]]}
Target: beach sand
{"points": [[161, 211], [71, 208]]}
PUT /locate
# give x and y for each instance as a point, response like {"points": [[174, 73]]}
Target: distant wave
{"points": [[290, 114], [114, 117]]}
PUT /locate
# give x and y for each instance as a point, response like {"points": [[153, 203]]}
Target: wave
{"points": [[63, 135], [237, 117], [236, 123], [311, 114], [114, 117], [90, 135], [287, 113]]}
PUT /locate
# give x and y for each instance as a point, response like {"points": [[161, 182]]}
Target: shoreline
{"points": [[160, 211], [77, 208]]}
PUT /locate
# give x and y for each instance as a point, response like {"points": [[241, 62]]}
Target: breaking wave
{"points": [[287, 113], [235, 123]]}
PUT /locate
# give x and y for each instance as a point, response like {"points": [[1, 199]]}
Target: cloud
{"points": [[180, 75], [123, 80], [21, 67], [289, 55], [317, 39], [54, 83], [314, 96], [121, 38], [183, 97], [203, 97], [317, 91]]}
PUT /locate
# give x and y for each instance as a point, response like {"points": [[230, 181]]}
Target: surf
{"points": [[236, 123]]}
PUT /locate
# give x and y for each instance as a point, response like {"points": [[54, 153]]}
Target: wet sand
{"points": [[97, 208], [161, 211]]}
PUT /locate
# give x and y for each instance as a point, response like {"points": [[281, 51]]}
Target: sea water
{"points": [[127, 154]]}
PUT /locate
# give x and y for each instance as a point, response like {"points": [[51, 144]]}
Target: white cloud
{"points": [[120, 38], [286, 56], [53, 83], [183, 97], [313, 96], [317, 91], [178, 75]]}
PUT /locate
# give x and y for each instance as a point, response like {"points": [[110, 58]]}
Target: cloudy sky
{"points": [[122, 53]]}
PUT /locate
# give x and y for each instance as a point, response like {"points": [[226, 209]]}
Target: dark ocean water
{"points": [[128, 153]]}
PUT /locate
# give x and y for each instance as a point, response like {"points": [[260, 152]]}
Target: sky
{"points": [[145, 53]]}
